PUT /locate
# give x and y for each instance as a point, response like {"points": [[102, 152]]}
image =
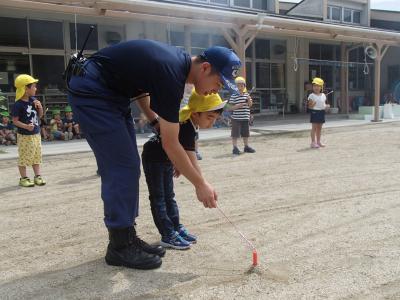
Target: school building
{"points": [[353, 48]]}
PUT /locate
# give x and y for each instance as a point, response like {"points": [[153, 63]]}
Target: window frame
{"points": [[342, 14]]}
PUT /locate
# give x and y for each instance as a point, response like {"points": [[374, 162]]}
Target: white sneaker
{"points": [[314, 145]]}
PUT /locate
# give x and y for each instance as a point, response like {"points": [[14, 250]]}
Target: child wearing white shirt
{"points": [[317, 105]]}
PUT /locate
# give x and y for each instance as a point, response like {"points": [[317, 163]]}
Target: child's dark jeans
{"points": [[159, 178]]}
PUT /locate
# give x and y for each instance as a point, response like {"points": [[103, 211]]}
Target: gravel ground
{"points": [[326, 224]]}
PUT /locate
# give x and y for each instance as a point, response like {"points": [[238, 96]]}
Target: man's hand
{"points": [[206, 194], [170, 142], [30, 127]]}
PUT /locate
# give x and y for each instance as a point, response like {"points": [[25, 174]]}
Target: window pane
{"points": [[361, 77], [347, 15], [219, 40], [248, 76], [199, 40], [329, 13], [243, 3], [327, 52], [315, 51], [11, 65], [265, 99], [353, 55], [352, 77], [83, 29], [263, 77], [48, 69], [46, 34], [262, 49], [177, 38], [224, 2], [13, 32], [277, 75], [356, 17], [336, 13], [249, 51], [260, 4], [197, 51]]}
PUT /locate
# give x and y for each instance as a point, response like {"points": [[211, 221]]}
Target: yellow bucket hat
{"points": [[199, 103], [21, 82], [318, 81], [240, 79]]}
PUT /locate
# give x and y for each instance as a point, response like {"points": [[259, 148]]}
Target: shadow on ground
{"points": [[93, 280]]}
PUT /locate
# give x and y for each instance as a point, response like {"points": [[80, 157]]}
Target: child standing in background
{"points": [[317, 105], [26, 113], [241, 103]]}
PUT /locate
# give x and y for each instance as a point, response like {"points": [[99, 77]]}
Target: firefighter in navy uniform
{"points": [[154, 74]]}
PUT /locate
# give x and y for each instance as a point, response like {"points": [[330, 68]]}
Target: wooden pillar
{"points": [[239, 44], [241, 47], [377, 84], [343, 67], [381, 51]]}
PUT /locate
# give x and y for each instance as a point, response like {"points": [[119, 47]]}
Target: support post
{"points": [[381, 51], [343, 67]]}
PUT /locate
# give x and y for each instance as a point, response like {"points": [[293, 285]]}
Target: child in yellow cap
{"points": [[26, 113], [200, 112], [241, 103], [317, 105]]}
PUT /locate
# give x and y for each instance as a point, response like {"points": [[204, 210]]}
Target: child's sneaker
{"points": [[39, 180], [248, 149], [184, 233], [314, 145], [198, 155], [26, 182], [236, 151], [175, 242], [321, 144]]}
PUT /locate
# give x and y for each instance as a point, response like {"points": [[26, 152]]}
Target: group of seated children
{"points": [[60, 129], [7, 130]]}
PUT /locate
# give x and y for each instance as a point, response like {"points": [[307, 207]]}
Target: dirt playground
{"points": [[325, 222]]}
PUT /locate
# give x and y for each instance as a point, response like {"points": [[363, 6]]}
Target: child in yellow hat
{"points": [[26, 113], [317, 105], [200, 112], [241, 103]]}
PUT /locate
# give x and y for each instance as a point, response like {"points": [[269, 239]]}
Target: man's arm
{"points": [[170, 141], [193, 159], [144, 104]]}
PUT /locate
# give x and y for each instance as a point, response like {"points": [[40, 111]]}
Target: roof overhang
{"points": [[186, 14]]}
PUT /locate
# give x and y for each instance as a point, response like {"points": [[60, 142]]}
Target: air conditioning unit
{"points": [[279, 49]]}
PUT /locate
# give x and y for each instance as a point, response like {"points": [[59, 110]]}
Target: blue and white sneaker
{"points": [[175, 242], [184, 233]]}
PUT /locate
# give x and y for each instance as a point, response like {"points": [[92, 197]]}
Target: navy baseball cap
{"points": [[226, 62]]}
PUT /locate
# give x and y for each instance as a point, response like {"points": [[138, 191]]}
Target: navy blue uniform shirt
{"points": [[27, 114], [154, 152], [145, 66]]}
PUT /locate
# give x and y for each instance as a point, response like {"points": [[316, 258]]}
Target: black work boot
{"points": [[122, 251], [151, 249]]}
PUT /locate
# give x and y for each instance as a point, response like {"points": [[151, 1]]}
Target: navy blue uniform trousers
{"points": [[107, 124]]}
